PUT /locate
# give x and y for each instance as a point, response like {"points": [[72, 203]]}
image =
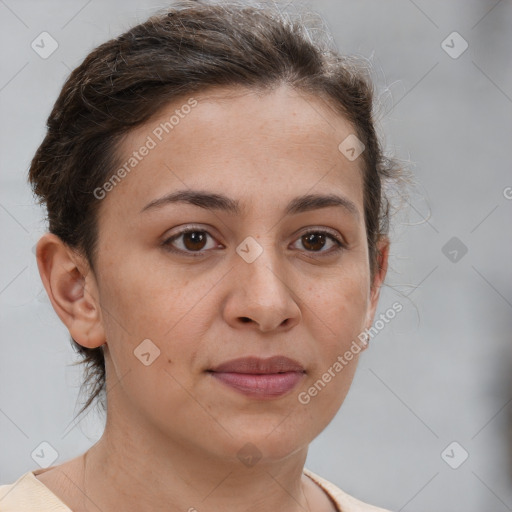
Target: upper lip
{"points": [[257, 365]]}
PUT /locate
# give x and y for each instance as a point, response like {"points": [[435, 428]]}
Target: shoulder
{"points": [[28, 494], [345, 502]]}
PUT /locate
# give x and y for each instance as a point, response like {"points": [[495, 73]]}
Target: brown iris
{"points": [[194, 240], [313, 241]]}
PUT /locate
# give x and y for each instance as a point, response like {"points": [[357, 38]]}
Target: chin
{"points": [[266, 437]]}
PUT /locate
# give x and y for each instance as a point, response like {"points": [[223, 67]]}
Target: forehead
{"points": [[258, 147]]}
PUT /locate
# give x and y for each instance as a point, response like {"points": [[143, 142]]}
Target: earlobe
{"points": [[72, 290]]}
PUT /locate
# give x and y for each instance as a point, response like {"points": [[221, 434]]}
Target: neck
{"points": [[131, 471]]}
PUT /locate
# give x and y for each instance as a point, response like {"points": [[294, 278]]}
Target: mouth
{"points": [[259, 378]]}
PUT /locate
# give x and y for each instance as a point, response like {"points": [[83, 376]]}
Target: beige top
{"points": [[28, 494]]}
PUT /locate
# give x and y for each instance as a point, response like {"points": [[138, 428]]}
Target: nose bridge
{"points": [[260, 264], [261, 278]]}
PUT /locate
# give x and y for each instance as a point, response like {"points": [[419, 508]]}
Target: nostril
{"points": [[245, 319]]}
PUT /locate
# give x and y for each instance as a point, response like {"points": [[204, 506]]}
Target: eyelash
{"points": [[167, 243]]}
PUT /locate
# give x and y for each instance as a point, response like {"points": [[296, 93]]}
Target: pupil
{"points": [[310, 240], [196, 238]]}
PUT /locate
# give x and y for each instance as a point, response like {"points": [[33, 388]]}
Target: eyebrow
{"points": [[219, 202]]}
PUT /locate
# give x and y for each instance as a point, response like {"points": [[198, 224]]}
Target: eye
{"points": [[315, 240], [192, 241]]}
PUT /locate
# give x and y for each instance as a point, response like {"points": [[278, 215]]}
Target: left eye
{"points": [[194, 240], [313, 239]]}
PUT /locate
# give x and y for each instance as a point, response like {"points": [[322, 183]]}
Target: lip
{"points": [[260, 378], [258, 365]]}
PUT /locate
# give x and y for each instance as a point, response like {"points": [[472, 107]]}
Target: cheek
{"points": [[158, 392], [151, 316], [337, 313], [152, 341], [146, 299], [338, 308]]}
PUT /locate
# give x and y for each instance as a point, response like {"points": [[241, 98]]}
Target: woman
{"points": [[217, 243]]}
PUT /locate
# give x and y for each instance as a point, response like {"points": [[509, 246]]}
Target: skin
{"points": [[170, 423]]}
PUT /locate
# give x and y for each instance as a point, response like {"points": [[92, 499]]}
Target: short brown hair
{"points": [[192, 46]]}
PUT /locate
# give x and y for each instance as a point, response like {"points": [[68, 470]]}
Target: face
{"points": [[257, 274]]}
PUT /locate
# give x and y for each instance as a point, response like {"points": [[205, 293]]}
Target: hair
{"points": [[192, 46]]}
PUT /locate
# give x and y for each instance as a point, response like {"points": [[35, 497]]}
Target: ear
{"points": [[380, 274], [72, 290]]}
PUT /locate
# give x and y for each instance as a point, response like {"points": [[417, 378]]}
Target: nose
{"points": [[262, 295]]}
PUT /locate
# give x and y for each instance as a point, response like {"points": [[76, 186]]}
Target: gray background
{"points": [[439, 372]]}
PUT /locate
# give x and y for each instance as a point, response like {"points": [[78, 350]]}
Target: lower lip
{"points": [[262, 386]]}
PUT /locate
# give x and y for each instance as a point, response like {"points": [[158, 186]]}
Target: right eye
{"points": [[192, 241]]}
